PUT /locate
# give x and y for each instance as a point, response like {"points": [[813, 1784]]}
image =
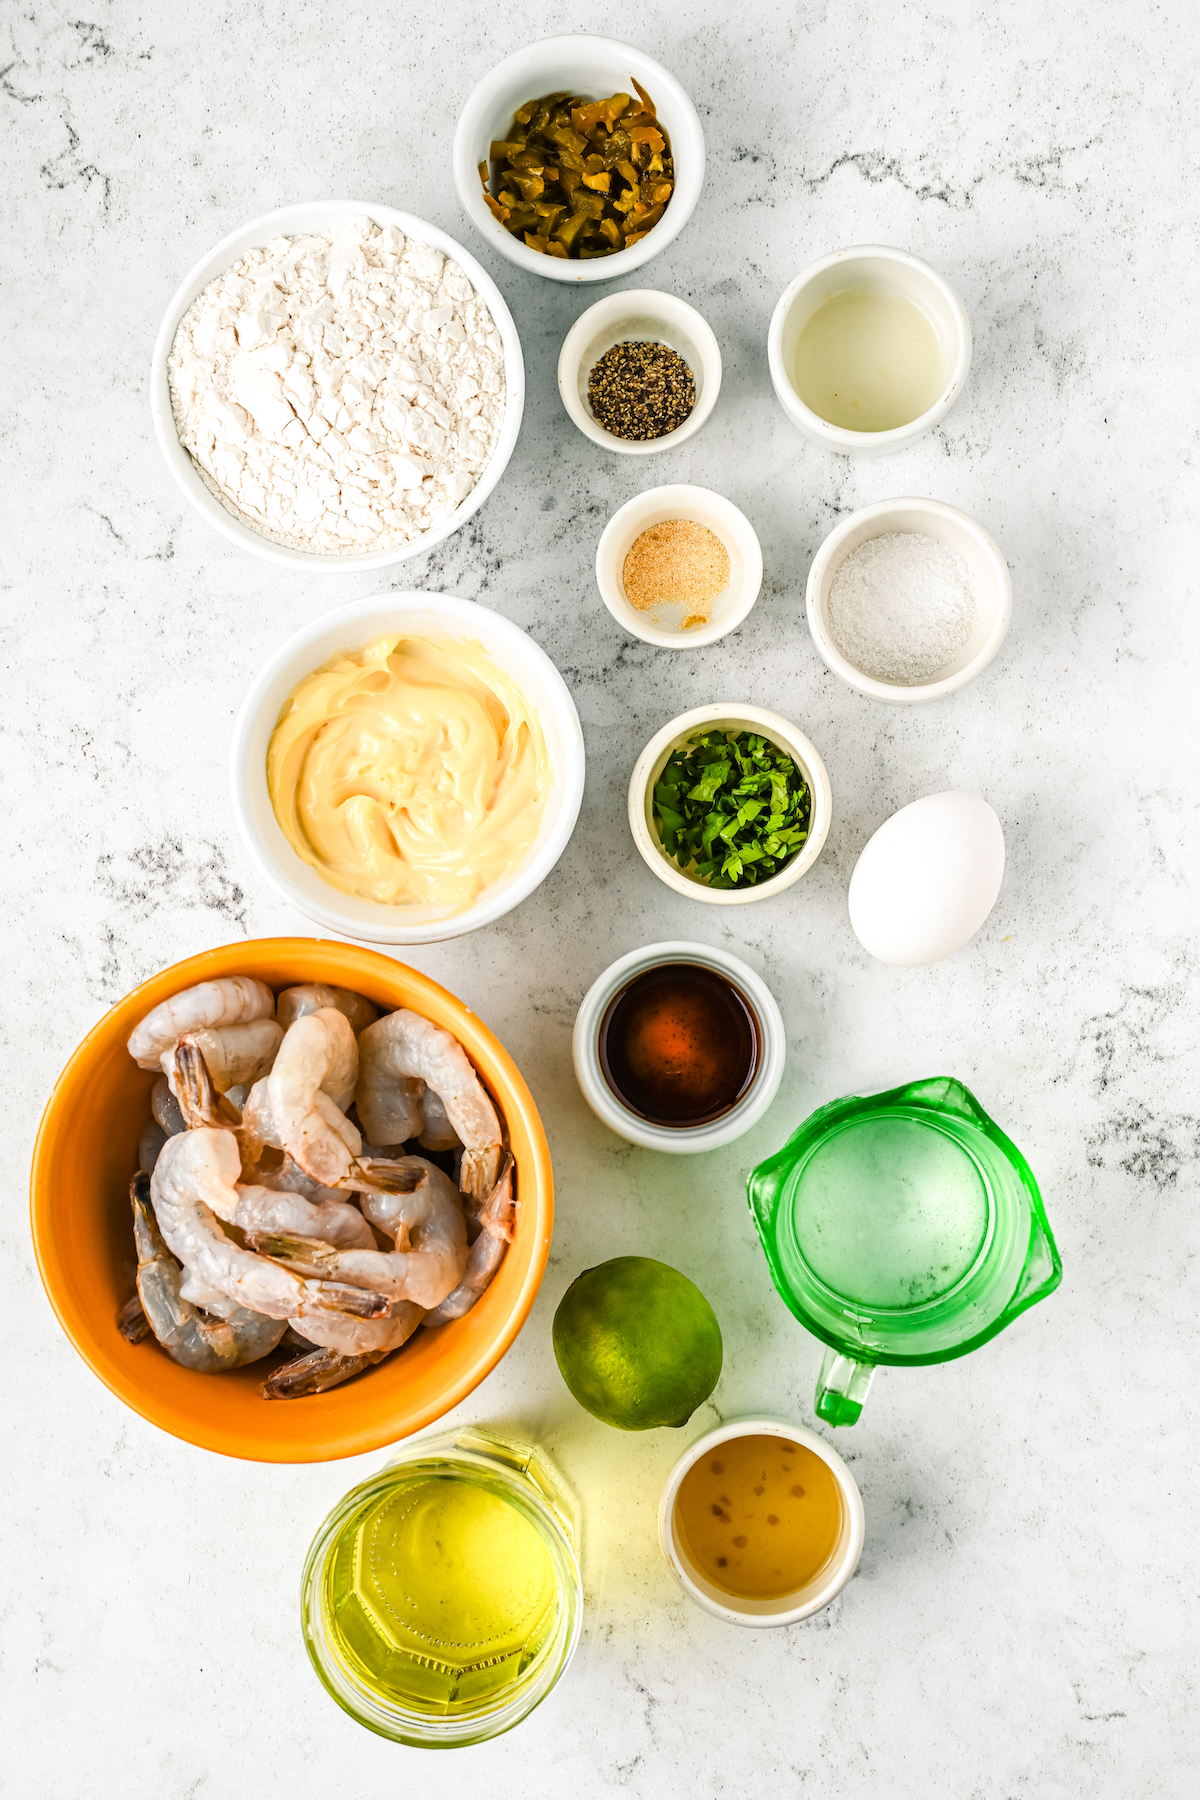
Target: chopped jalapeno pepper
{"points": [[578, 177]]}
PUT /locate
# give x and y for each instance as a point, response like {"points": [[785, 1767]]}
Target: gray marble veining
{"points": [[1024, 1619]]}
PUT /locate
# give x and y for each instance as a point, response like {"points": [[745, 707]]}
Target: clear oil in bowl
{"points": [[869, 359], [441, 1599]]}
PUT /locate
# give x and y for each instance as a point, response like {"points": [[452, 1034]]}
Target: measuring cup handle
{"points": [[842, 1386]]}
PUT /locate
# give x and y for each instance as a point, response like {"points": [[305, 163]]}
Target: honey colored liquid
{"points": [[759, 1516], [440, 1595], [868, 360]]}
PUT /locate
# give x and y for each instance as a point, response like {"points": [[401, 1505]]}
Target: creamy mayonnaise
{"points": [[413, 772]]}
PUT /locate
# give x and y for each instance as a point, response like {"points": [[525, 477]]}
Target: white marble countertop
{"points": [[1024, 1618]]}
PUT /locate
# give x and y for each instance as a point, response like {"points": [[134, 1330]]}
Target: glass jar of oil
{"points": [[441, 1599]]}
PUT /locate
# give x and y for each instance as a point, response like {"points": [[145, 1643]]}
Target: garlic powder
{"points": [[339, 393]]}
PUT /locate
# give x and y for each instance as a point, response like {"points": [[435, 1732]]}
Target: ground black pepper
{"points": [[641, 390]]}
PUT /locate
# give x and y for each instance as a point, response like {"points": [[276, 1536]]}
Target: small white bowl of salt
{"points": [[908, 600]]}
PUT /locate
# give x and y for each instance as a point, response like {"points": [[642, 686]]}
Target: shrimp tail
{"points": [[205, 1345], [498, 1212], [314, 1373], [132, 1322], [193, 1087], [305, 1255], [383, 1175], [336, 1296], [480, 1172], [147, 1238], [309, 1256], [486, 1254]]}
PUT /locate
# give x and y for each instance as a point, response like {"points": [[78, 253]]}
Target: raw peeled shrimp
{"points": [[206, 1346], [371, 1339], [436, 1133], [315, 1373], [389, 1104], [275, 1169], [150, 1144], [230, 1000], [300, 1106], [234, 1055], [335, 1220], [422, 1213], [194, 1090], [319, 1054], [486, 1253], [321, 1368], [322, 1141], [194, 1187], [294, 1002], [166, 1122], [405, 1048], [165, 1108]]}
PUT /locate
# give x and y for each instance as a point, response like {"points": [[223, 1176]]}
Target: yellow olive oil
{"points": [[440, 1595], [759, 1516], [868, 360]]}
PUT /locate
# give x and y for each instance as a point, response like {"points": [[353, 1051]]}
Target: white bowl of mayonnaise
{"points": [[407, 768]]}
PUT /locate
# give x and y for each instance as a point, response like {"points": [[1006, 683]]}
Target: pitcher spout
{"points": [[1043, 1267]]}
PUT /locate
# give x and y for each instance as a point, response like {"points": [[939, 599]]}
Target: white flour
{"points": [[339, 393], [902, 606]]}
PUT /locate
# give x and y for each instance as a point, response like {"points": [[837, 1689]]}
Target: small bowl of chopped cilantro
{"points": [[729, 804]]}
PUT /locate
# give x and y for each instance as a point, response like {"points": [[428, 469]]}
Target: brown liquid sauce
{"points": [[679, 1045]]}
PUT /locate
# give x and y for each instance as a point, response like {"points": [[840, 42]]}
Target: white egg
{"points": [[927, 880]]}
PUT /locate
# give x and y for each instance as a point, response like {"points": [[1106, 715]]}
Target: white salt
{"points": [[901, 606]]}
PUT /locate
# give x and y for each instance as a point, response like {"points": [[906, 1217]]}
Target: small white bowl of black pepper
{"points": [[639, 372]]}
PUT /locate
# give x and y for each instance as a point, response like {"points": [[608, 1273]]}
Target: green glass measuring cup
{"points": [[901, 1228]]}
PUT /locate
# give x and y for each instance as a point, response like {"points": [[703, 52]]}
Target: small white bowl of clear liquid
{"points": [[869, 349]]}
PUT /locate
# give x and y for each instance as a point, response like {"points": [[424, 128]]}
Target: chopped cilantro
{"points": [[731, 810]]}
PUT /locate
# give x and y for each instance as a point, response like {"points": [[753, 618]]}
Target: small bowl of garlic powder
{"points": [[908, 600], [679, 566]]}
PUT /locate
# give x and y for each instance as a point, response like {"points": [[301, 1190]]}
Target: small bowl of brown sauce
{"points": [[679, 1047], [761, 1522]]}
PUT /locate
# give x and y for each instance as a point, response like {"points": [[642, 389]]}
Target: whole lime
{"points": [[637, 1343]]}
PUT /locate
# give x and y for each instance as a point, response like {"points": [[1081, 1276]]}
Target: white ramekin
{"points": [[732, 717], [869, 265], [638, 315], [703, 507], [686, 1140], [350, 628], [790, 1608], [295, 221], [596, 66], [989, 576]]}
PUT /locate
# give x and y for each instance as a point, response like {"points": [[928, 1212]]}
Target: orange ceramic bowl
{"points": [[86, 1153]]}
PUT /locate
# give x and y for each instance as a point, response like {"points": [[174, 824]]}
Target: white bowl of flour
{"points": [[337, 386], [908, 600]]}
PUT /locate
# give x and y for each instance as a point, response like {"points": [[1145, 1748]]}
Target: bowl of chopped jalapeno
{"points": [[729, 804], [579, 158]]}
